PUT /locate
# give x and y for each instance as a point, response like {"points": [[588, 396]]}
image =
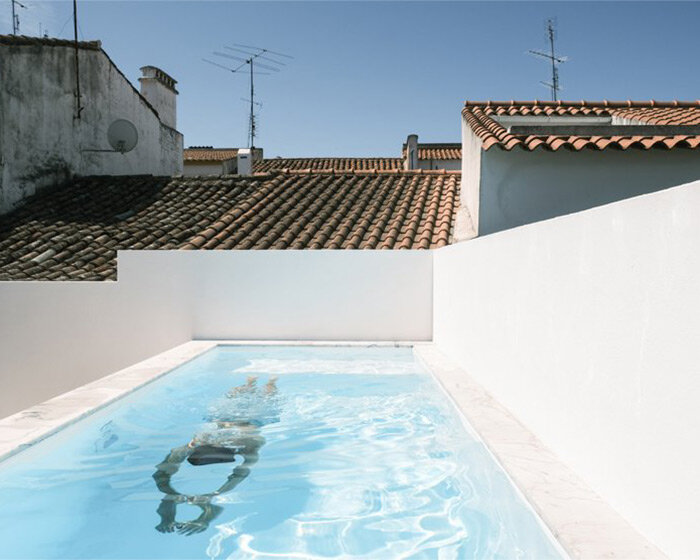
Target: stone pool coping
{"points": [[585, 525], [582, 522], [31, 425]]}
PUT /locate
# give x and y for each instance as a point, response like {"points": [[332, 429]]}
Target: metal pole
{"points": [[252, 102], [14, 19], [77, 62], [555, 78]]}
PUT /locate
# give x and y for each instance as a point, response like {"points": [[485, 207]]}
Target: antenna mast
{"points": [[78, 105], [250, 59], [553, 58], [15, 16]]}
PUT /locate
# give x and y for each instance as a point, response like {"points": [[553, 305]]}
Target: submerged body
{"points": [[359, 456], [234, 432]]}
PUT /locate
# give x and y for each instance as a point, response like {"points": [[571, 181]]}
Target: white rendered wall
{"points": [[587, 327], [41, 144], [56, 336], [471, 173], [447, 164], [326, 295], [519, 187], [196, 169], [308, 295]]}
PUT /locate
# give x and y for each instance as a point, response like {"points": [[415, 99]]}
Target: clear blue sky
{"points": [[366, 74]]}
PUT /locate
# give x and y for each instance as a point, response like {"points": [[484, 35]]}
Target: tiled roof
{"points": [[338, 164], [479, 116], [209, 154], [23, 40], [73, 232], [437, 151]]}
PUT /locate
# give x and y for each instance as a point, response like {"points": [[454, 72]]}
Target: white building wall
{"points": [[195, 169], [447, 164], [469, 188], [520, 187], [41, 144], [586, 327]]}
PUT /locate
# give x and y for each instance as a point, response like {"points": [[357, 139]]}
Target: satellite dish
{"points": [[122, 136]]}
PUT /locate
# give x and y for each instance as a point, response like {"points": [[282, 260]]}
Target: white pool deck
{"points": [[585, 525]]}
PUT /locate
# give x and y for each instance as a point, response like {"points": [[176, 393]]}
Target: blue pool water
{"points": [[350, 453]]}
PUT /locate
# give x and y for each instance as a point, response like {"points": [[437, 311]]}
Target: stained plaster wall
{"points": [[42, 144]]}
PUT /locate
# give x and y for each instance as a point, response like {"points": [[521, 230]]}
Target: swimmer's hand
{"points": [[166, 527], [191, 527]]}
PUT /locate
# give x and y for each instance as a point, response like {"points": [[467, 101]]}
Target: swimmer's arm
{"points": [[169, 466]]}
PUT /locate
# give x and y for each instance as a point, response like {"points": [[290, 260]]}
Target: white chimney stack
{"points": [[245, 161], [411, 161], [159, 90]]}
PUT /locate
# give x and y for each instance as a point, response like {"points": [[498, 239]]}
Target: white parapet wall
{"points": [[56, 336], [300, 295], [587, 327]]}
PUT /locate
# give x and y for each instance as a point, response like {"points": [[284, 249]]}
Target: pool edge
{"points": [[34, 424], [28, 427], [584, 524]]}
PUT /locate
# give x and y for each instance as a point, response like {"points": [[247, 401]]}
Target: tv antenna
{"points": [[252, 57], [15, 15], [253, 118], [553, 58]]}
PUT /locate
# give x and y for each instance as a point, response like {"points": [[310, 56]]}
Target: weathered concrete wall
{"points": [[42, 144], [520, 187], [586, 327]]}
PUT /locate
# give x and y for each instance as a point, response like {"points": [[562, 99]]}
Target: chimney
{"points": [[245, 161], [159, 90], [247, 158], [411, 160]]}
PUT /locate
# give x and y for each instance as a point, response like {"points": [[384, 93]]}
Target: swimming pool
{"points": [[270, 452]]}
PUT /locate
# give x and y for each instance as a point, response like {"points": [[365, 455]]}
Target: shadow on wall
{"points": [[520, 187]]}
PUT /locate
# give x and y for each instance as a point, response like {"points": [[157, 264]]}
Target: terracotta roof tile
{"points": [[209, 154], [434, 151], [480, 117], [73, 232], [338, 164], [23, 40]]}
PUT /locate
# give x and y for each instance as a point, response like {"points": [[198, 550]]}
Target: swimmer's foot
{"points": [[247, 387], [271, 385]]}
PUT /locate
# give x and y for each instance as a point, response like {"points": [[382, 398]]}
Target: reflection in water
{"points": [[235, 432]]}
